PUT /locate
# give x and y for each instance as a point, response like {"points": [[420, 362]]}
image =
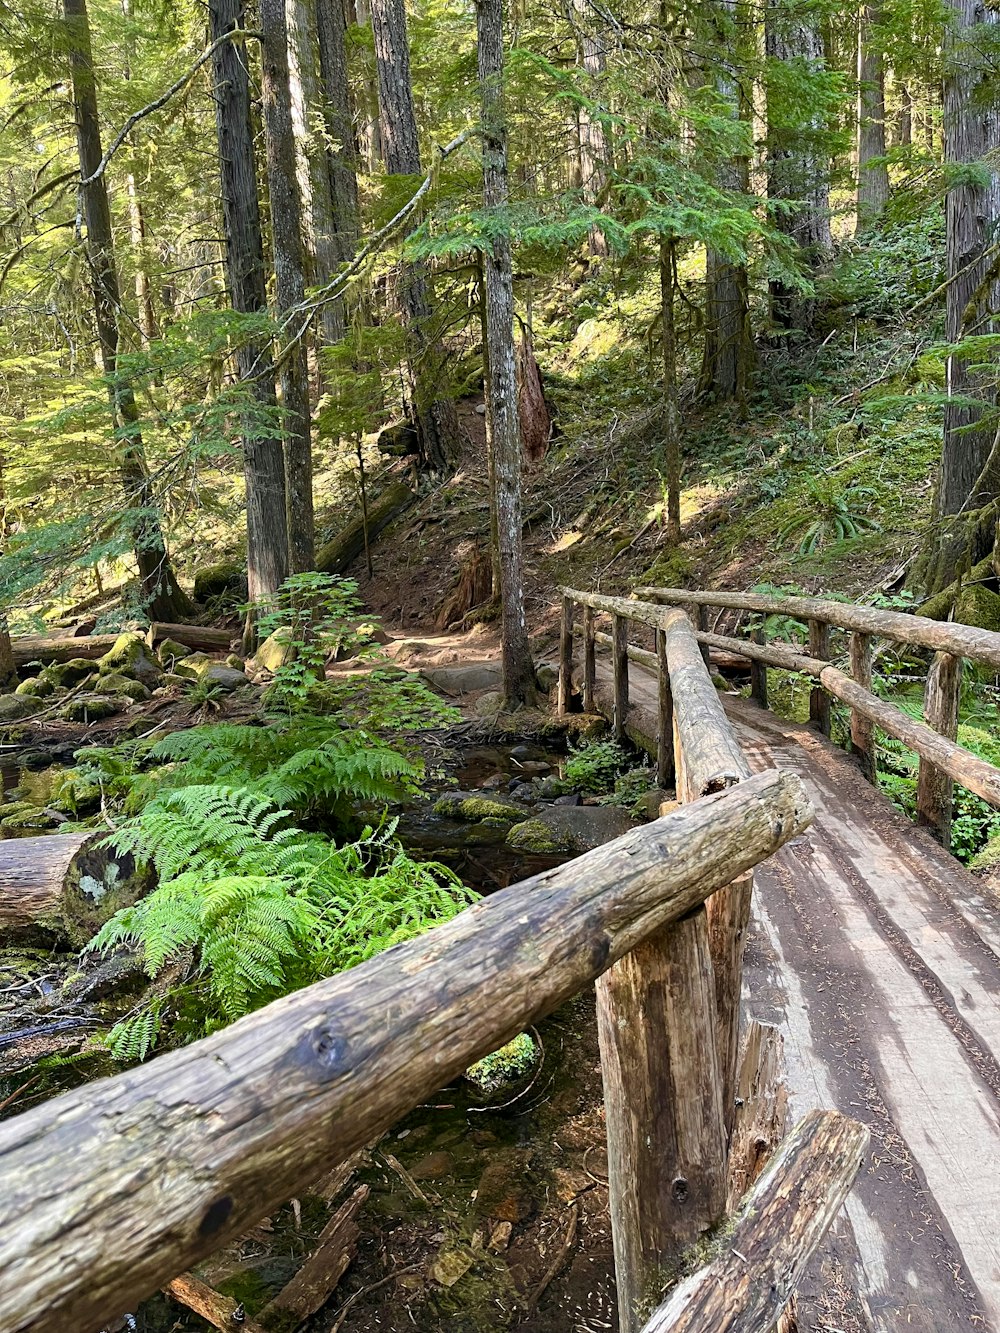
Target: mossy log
{"points": [[40, 648], [62, 887], [334, 556]]}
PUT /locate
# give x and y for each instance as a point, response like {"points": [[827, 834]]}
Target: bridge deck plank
{"points": [[879, 957]]}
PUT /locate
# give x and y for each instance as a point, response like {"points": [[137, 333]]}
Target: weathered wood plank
{"points": [[934, 786], [982, 645], [181, 1155], [663, 1105], [778, 1228], [619, 662], [819, 700], [589, 660], [665, 715], [728, 913], [317, 1279], [762, 1108], [862, 729], [565, 688]]}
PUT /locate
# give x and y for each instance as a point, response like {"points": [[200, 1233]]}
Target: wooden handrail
{"points": [[667, 1177], [110, 1190], [777, 1229], [979, 645]]}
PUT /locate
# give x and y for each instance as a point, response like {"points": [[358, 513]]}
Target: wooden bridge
{"points": [[115, 1189], [873, 950]]}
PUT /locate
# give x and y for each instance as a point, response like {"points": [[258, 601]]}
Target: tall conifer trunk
{"points": [[431, 411], [289, 274], [873, 174], [164, 599], [342, 157], [594, 151], [728, 355], [798, 169], [263, 462], [505, 429]]}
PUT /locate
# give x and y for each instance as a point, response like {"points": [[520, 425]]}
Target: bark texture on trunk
{"points": [[593, 140], [728, 355], [671, 401], [505, 430], [873, 175], [164, 598], [798, 167], [342, 153], [263, 462], [289, 273], [971, 131], [319, 224], [431, 411]]}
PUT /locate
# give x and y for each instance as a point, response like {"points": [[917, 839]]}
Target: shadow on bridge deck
{"points": [[879, 957]]}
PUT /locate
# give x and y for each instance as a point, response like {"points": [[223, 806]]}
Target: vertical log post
{"points": [[619, 650], [701, 622], [589, 660], [934, 789], [862, 728], [819, 700], [758, 673], [665, 717], [666, 1135], [565, 656]]}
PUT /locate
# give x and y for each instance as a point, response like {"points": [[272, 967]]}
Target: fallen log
{"points": [[62, 887], [40, 648], [778, 1227], [318, 1278], [334, 556], [220, 1311], [185, 1153]]}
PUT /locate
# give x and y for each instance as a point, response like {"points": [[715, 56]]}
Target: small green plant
{"points": [[249, 907], [831, 514], [631, 790], [595, 765], [504, 1067]]}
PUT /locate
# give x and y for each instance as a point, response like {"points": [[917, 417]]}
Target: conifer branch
{"points": [[159, 102]]}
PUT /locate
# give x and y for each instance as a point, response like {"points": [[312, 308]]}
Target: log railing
{"points": [[942, 760], [689, 974], [110, 1191]]}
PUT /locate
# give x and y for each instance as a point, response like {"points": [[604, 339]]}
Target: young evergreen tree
{"points": [[162, 595], [263, 461], [431, 411], [289, 273], [505, 431]]}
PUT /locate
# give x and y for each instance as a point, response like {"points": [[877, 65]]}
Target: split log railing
{"points": [[110, 1191], [942, 761]]}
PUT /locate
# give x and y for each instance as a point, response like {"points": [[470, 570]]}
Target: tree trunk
{"points": [[671, 405], [164, 598], [370, 128], [143, 291], [518, 669], [263, 464], [970, 133], [342, 156], [904, 124], [728, 356], [873, 176], [430, 410], [798, 166], [289, 273], [319, 224], [593, 158]]}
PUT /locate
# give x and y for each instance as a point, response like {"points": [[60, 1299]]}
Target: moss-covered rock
{"points": [[474, 809], [64, 675], [36, 687], [116, 683], [506, 1067], [277, 650], [977, 605], [92, 708], [170, 651], [18, 817], [225, 577], [75, 793], [15, 706], [130, 656], [194, 666], [533, 836]]}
